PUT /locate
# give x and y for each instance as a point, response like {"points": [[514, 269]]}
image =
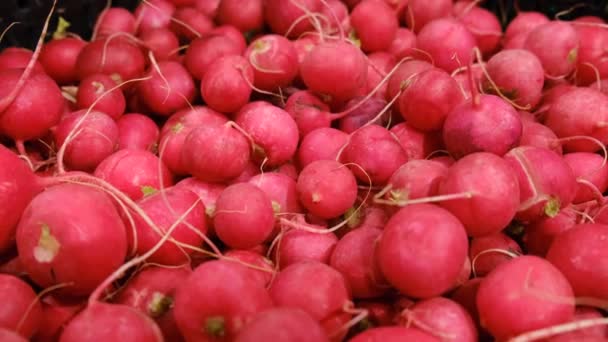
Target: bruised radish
{"points": [[116, 56], [300, 246], [556, 44], [97, 86], [295, 325], [228, 75], [274, 60], [204, 51], [59, 56], [375, 25], [394, 334], [137, 131], [447, 41], [21, 311], [591, 169], [169, 89], [485, 252], [320, 144]]}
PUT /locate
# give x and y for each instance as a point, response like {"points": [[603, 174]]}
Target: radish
{"points": [[403, 76], [585, 268], [264, 271], [522, 24], [10, 336], [556, 45], [419, 13], [137, 173], [114, 20], [447, 41], [217, 300], [583, 313], [394, 334], [280, 189], [365, 112], [111, 56], [403, 45], [539, 235], [379, 65], [208, 7], [338, 18], [19, 58], [161, 42], [415, 179], [245, 16], [466, 295], [137, 131], [291, 18], [290, 288], [590, 58], [300, 245], [227, 75], [55, 315], [208, 194], [419, 262], [295, 325], [274, 60], [539, 135], [482, 23], [53, 246], [59, 57], [153, 14], [203, 51], [375, 31], [189, 23], [100, 92], [22, 311], [417, 145], [308, 111], [487, 252], [591, 173], [321, 143], [525, 284], [169, 89]]}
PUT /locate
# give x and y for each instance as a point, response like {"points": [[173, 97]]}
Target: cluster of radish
{"points": [[306, 170]]}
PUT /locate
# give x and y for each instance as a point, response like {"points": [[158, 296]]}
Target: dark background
{"points": [[82, 13]]}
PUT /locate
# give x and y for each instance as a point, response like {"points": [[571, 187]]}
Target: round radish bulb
{"points": [[419, 13], [111, 322], [485, 252], [539, 235], [64, 230], [580, 254], [299, 246], [114, 20], [556, 44], [461, 75], [417, 145], [404, 250], [208, 194], [265, 268], [36, 109], [327, 188], [290, 17], [280, 189], [321, 144], [380, 64], [416, 179], [295, 325], [153, 14], [96, 139], [21, 310], [375, 24], [208, 7], [55, 316], [339, 18], [169, 89], [274, 60], [152, 292], [589, 168], [117, 57], [539, 135], [483, 24], [340, 78], [524, 23], [403, 45], [394, 334], [374, 154], [363, 114], [292, 288], [448, 42], [59, 56], [243, 216], [228, 75], [215, 152], [97, 86], [489, 206], [485, 124], [525, 284], [580, 112], [161, 42], [202, 52], [308, 111], [217, 301], [189, 23], [245, 16], [18, 58], [519, 76], [7, 335], [137, 173], [593, 333], [428, 98], [137, 131], [273, 130], [404, 75], [593, 40]]}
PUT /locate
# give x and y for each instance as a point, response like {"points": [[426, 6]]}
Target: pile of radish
{"points": [[306, 170]]}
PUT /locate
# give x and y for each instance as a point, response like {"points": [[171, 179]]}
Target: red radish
{"points": [[374, 154], [152, 292], [281, 189], [246, 16], [208, 7], [207, 192], [7, 335], [21, 311], [111, 56], [375, 24], [461, 75], [403, 45], [53, 246], [394, 334], [308, 111], [243, 216], [300, 245], [137, 131], [539, 235], [443, 318], [59, 58], [95, 140], [417, 261], [215, 152], [320, 144], [153, 14], [332, 10], [228, 75], [354, 258], [403, 76], [189, 23], [428, 98], [295, 325], [204, 51], [488, 207], [525, 284], [482, 23], [217, 300], [169, 89], [419, 13], [417, 145], [579, 254], [380, 64], [485, 124], [380, 313], [251, 169], [448, 42], [55, 315], [18, 58], [546, 182], [593, 39], [19, 186], [524, 23], [265, 268], [595, 333], [274, 60], [161, 42], [591, 172], [108, 322], [97, 86], [485, 252], [135, 172], [416, 179], [291, 18], [327, 188], [114, 20], [290, 288], [539, 135], [556, 45], [362, 114], [466, 295], [325, 74]]}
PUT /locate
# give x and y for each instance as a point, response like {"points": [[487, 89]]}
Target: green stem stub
{"points": [[48, 246], [148, 190], [215, 326], [552, 207], [159, 304]]}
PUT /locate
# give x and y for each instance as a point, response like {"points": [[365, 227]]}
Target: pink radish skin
{"points": [[363, 114], [92, 87], [483, 24], [152, 291], [114, 20], [215, 153], [153, 14], [327, 188], [274, 60], [491, 205], [491, 125], [280, 189], [280, 15], [217, 300], [202, 52], [375, 31], [419, 13], [416, 179], [296, 325], [137, 131], [301, 246], [524, 23], [290, 289], [466, 295], [21, 311], [556, 45], [403, 45], [596, 333], [354, 257], [406, 262], [98, 139], [308, 111], [227, 75], [320, 144], [376, 152], [111, 56], [585, 268], [588, 167], [53, 247], [253, 258], [539, 235], [525, 283], [208, 7], [380, 64], [417, 145], [251, 169], [161, 42], [243, 216], [340, 11], [394, 334], [448, 42], [489, 260], [134, 172], [539, 135], [10, 336], [109, 322], [56, 313], [170, 92], [245, 16], [59, 58], [591, 51], [18, 58], [197, 24], [403, 76], [462, 78]]}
